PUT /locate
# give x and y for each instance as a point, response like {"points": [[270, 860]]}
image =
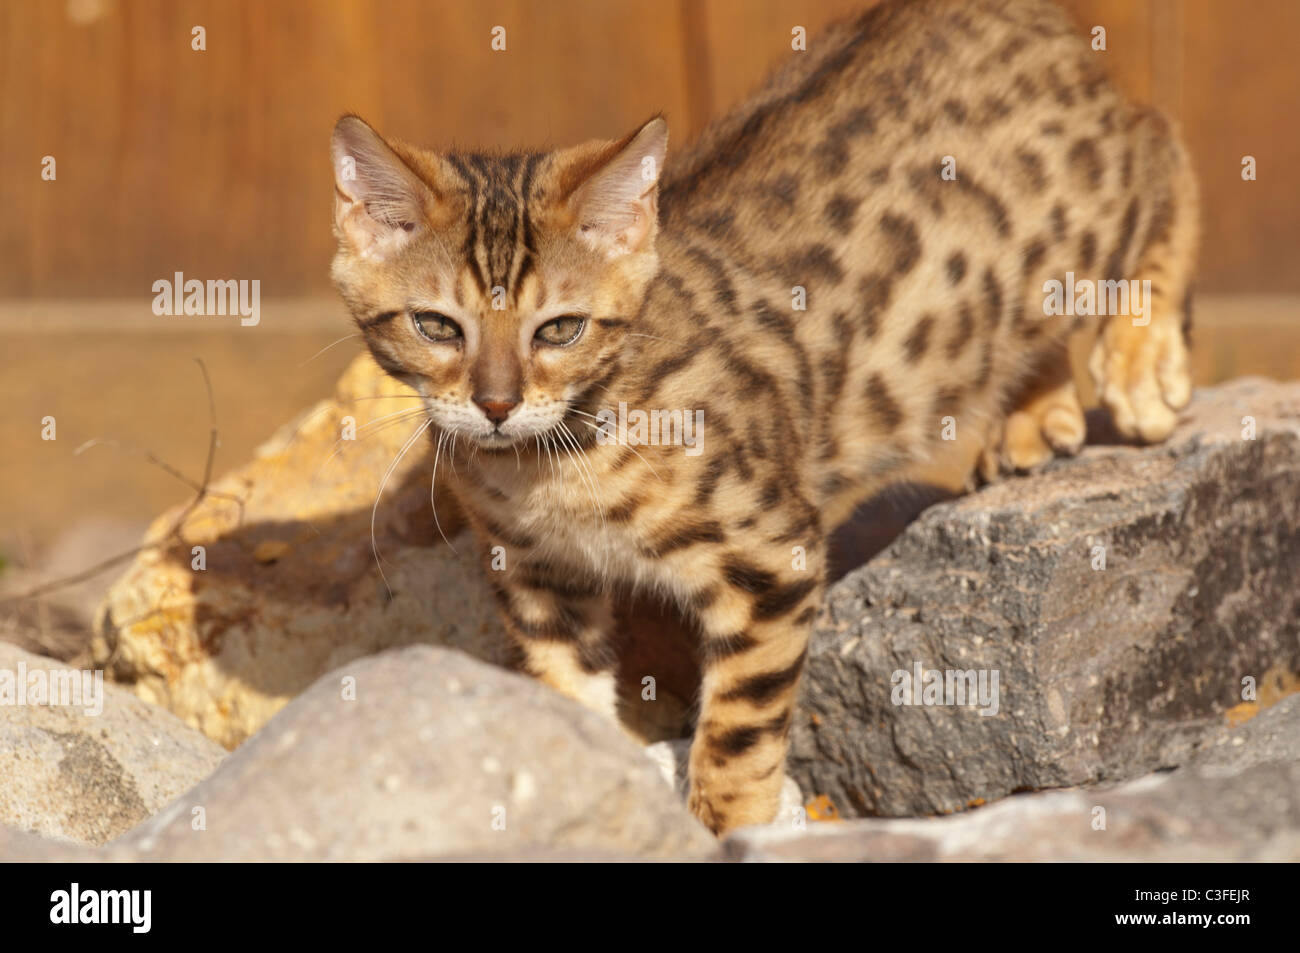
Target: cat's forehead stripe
{"points": [[471, 237], [498, 244]]}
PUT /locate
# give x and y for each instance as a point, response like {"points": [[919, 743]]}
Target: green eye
{"points": [[561, 331], [436, 327]]}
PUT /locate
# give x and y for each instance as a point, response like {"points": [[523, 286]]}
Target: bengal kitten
{"points": [[839, 275]]}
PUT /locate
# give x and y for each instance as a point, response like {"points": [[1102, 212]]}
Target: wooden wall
{"points": [[215, 163]]}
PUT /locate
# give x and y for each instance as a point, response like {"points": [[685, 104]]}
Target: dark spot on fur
{"points": [[903, 240], [956, 266], [882, 404], [839, 212], [916, 343]]}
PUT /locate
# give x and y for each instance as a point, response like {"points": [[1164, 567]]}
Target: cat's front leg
{"points": [[561, 626], [756, 626]]}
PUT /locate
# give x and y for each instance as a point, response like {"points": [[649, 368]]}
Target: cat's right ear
{"points": [[379, 203], [612, 192]]}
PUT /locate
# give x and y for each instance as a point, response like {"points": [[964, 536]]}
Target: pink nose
{"points": [[497, 410]]}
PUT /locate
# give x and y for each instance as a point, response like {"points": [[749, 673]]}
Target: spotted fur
{"points": [[809, 279]]}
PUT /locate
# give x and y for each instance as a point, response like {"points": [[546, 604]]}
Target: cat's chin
{"points": [[499, 441]]}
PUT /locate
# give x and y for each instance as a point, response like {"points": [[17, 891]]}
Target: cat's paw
{"points": [[1142, 375], [1048, 423], [724, 800]]}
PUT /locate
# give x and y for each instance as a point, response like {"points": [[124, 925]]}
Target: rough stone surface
{"points": [[1103, 674], [19, 846], [86, 778], [1237, 800], [1189, 815], [435, 748], [1273, 735], [291, 588]]}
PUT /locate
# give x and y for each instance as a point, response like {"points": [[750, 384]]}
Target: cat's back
{"points": [[905, 83], [877, 221]]}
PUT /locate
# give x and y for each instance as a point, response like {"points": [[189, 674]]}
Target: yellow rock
{"points": [[270, 550]]}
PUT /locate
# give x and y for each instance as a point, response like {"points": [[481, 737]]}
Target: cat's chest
{"points": [[575, 524], [609, 550]]}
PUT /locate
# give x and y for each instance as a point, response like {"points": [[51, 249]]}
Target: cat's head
{"points": [[500, 287]]}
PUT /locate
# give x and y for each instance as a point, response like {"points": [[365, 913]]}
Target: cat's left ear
{"points": [[379, 202], [615, 204]]}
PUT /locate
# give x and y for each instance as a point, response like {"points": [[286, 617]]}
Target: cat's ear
{"points": [[615, 203], [379, 203]]}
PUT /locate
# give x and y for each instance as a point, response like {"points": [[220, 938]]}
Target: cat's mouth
{"points": [[496, 440], [501, 437], [540, 426]]}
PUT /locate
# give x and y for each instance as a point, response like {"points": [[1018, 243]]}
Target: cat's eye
{"points": [[561, 331], [436, 327]]}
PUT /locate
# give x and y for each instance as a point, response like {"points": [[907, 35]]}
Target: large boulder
{"points": [[22, 847], [84, 773], [1124, 600], [420, 753], [1238, 800]]}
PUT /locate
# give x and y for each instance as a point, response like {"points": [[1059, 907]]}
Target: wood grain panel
{"points": [[1129, 31], [746, 39], [1241, 94], [215, 163]]}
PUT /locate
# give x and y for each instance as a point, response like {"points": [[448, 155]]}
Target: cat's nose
{"points": [[497, 410]]}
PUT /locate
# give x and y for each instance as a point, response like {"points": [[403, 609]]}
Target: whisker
{"points": [[329, 407], [581, 464], [348, 337], [633, 449], [591, 471], [371, 426], [639, 334], [370, 429], [584, 413], [374, 510], [550, 457], [433, 485]]}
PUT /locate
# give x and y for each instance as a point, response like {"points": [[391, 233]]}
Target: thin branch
{"points": [[172, 535]]}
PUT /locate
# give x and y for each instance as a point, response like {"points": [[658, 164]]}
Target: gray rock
{"points": [[438, 755], [59, 624], [20, 846], [1272, 735], [86, 778], [1104, 674], [1194, 814]]}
